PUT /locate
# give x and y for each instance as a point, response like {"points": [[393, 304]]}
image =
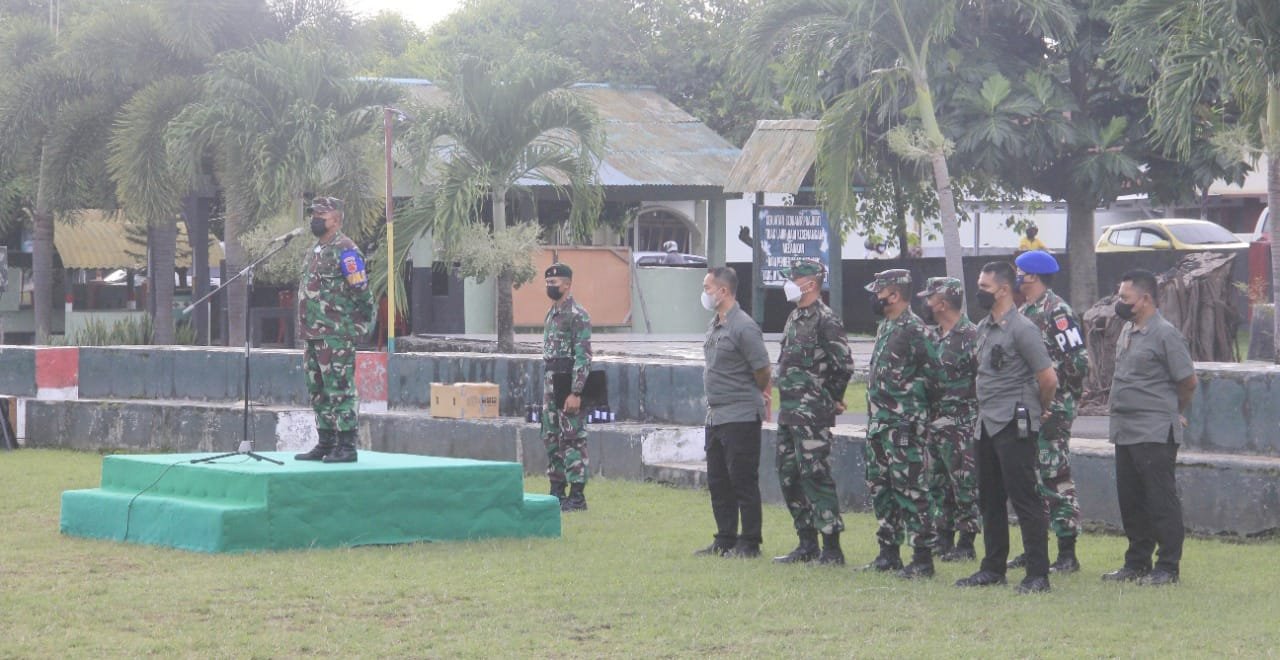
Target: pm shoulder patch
{"points": [[353, 269], [1066, 332]]}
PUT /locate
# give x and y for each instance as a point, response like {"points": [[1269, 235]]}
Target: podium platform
{"points": [[239, 504]]}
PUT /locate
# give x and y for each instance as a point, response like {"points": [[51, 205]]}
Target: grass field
{"points": [[621, 583]]}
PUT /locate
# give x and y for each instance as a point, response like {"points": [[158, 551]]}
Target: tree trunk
{"points": [[1271, 143], [947, 210], [163, 253], [238, 292], [505, 311], [1080, 251], [42, 255], [900, 215]]}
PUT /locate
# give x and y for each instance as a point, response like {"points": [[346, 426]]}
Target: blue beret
{"points": [[1037, 262]]}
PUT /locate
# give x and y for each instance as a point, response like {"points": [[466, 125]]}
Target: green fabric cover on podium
{"points": [[237, 503]]}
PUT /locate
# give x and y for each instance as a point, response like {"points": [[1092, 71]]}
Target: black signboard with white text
{"points": [[789, 233]]}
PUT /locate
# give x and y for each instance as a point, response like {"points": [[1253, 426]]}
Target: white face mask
{"points": [[792, 291], [708, 302]]}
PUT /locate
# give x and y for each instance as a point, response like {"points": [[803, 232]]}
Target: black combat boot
{"points": [[806, 552], [889, 559], [576, 501], [1067, 562], [946, 541], [557, 489], [831, 552], [964, 549], [328, 438], [346, 449], [921, 565]]}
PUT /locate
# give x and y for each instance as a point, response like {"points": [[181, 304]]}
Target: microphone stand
{"points": [[246, 446]]}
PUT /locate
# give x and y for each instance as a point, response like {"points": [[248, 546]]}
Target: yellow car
{"points": [[1168, 234]]}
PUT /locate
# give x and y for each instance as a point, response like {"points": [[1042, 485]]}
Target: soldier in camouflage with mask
{"points": [[953, 410], [566, 351], [813, 371], [1065, 341], [897, 458], [335, 307]]}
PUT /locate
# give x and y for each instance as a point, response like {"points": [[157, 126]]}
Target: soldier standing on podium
{"points": [[335, 307]]}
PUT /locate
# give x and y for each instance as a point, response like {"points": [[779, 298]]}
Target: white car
{"points": [[649, 259]]}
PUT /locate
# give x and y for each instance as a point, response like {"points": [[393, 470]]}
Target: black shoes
{"points": [[921, 565], [963, 551], [1124, 574], [804, 553], [345, 452], [1158, 578], [1033, 585], [981, 579], [742, 550], [327, 441], [557, 489], [1067, 562], [831, 555], [889, 559], [946, 541], [713, 550], [1018, 562], [576, 500]]}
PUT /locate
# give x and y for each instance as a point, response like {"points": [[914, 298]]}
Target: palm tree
{"points": [[274, 117], [886, 49], [505, 127], [1210, 66]]}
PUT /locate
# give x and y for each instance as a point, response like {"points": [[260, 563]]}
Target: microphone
{"points": [[286, 237]]}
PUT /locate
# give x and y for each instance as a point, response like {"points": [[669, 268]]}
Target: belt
{"points": [[559, 365]]}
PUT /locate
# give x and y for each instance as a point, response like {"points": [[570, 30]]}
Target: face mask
{"points": [[926, 313], [554, 292], [986, 299], [792, 291], [878, 305], [1125, 310], [708, 302], [317, 226]]}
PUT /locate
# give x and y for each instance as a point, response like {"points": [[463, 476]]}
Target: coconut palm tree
{"points": [[1210, 66], [886, 50], [506, 126], [274, 117]]}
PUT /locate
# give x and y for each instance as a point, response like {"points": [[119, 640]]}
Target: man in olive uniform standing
{"points": [[953, 410], [1065, 342], [897, 459], [566, 353], [814, 368], [335, 308]]}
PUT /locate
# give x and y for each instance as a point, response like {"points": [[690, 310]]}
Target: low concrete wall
{"points": [[1221, 494], [1236, 409]]}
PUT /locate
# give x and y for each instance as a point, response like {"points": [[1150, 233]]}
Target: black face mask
{"points": [[1125, 310], [317, 226], [554, 292], [878, 305], [926, 314], [986, 299]]}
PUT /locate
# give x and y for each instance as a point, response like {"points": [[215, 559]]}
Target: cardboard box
{"points": [[464, 400]]}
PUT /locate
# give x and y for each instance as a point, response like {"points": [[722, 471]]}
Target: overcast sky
{"points": [[423, 12]]}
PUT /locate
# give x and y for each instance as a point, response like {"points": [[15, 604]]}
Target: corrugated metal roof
{"points": [[776, 157], [649, 140], [97, 239]]}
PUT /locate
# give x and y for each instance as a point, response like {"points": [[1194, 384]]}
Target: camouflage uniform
{"points": [[1065, 341], [335, 308], [566, 348], [896, 455], [814, 368], [953, 413]]}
